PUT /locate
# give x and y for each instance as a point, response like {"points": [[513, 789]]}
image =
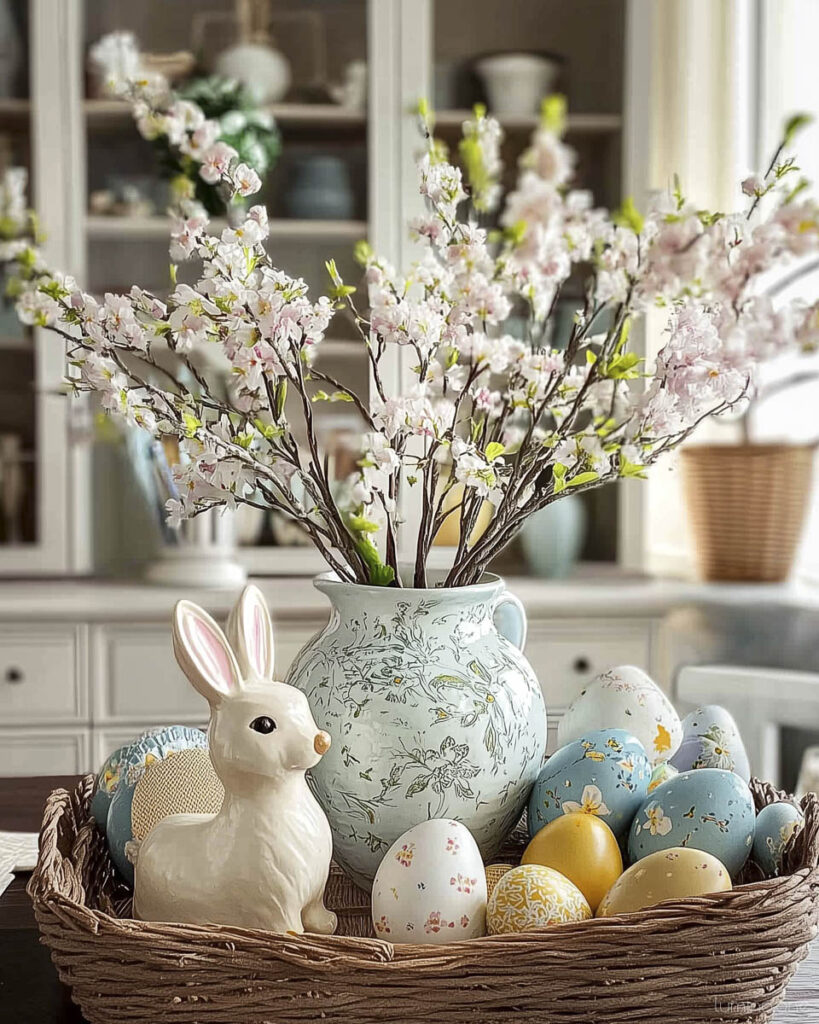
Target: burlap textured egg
{"points": [[531, 896], [185, 783], [494, 873]]}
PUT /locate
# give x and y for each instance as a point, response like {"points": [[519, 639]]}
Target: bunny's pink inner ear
{"points": [[255, 635], [208, 651]]}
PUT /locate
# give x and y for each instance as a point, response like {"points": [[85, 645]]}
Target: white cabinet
{"points": [[566, 654], [42, 674], [31, 751]]}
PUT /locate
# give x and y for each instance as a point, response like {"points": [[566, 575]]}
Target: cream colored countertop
{"points": [[590, 594]]}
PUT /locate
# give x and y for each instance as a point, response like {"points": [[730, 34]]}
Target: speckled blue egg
{"points": [[711, 739], [604, 773], [705, 809], [776, 825], [151, 746]]}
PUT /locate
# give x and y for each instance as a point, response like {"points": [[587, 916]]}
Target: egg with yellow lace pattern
{"points": [[532, 896]]}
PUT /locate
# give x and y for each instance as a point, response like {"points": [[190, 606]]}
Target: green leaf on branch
{"points": [[191, 424], [363, 252], [267, 430], [360, 524], [558, 478], [622, 367], [494, 450], [631, 469], [628, 216], [583, 478], [280, 398], [553, 113], [794, 125], [380, 575]]}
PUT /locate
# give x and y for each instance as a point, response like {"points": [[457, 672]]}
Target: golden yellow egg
{"points": [[494, 873], [673, 874], [531, 896], [584, 849], [449, 533]]}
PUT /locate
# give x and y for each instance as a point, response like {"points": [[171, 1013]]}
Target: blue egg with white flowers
{"points": [[776, 825], [605, 773], [707, 809]]}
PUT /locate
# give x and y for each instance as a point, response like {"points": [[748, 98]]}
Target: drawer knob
{"points": [[14, 675], [581, 665]]}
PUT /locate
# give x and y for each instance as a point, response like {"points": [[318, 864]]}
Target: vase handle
{"points": [[510, 619]]}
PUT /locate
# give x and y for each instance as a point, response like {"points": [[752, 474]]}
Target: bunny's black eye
{"points": [[263, 724]]}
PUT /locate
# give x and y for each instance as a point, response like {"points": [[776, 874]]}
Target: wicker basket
{"points": [[747, 505], [720, 958]]}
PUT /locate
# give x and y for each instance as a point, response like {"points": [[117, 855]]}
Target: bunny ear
{"points": [[251, 633], [204, 654]]}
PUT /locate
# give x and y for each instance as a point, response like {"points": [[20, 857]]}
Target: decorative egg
{"points": [[711, 739], [107, 781], [664, 771], [605, 773], [431, 886], [152, 746], [776, 825], [494, 873], [673, 874], [532, 896], [584, 849], [705, 809], [625, 698]]}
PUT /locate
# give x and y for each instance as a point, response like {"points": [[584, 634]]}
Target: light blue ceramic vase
{"points": [[433, 709]]}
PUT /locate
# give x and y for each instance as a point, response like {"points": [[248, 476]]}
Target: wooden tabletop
{"points": [[31, 994]]}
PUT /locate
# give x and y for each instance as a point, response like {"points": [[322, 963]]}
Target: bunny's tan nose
{"points": [[321, 744]]}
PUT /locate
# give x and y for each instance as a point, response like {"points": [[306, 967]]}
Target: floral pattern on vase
{"points": [[433, 713]]}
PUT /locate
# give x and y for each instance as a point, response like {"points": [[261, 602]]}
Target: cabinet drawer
{"points": [[44, 752], [41, 674], [565, 657], [136, 677]]}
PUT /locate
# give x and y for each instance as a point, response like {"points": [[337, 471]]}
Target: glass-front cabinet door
{"points": [[508, 56], [37, 471], [288, 82]]}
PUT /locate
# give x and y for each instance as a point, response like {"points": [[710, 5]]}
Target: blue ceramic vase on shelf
{"points": [[320, 190], [552, 538], [434, 712]]}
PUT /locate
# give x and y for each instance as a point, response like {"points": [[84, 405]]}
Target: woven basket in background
{"points": [[747, 505], [720, 959]]}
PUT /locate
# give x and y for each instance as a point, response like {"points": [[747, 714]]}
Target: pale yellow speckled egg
{"points": [[672, 874], [532, 896], [494, 873]]}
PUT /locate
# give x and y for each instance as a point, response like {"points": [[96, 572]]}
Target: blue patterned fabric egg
{"points": [[705, 809], [604, 773], [776, 825], [151, 746]]}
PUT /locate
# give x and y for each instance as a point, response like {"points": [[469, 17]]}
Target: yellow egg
{"points": [[584, 849], [531, 896], [494, 873], [674, 874]]}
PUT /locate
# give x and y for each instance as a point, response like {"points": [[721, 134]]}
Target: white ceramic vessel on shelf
{"points": [[434, 710], [260, 67], [516, 83]]}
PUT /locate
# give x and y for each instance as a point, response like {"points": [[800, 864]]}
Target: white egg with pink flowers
{"points": [[626, 698], [431, 886]]}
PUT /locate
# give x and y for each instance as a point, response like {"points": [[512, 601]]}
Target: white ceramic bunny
{"points": [[262, 860]]}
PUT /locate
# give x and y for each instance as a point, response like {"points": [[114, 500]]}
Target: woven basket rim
{"points": [[367, 953], [766, 448]]}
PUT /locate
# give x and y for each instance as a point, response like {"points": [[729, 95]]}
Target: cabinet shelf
{"points": [[295, 117], [15, 114], [578, 124], [158, 227]]}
